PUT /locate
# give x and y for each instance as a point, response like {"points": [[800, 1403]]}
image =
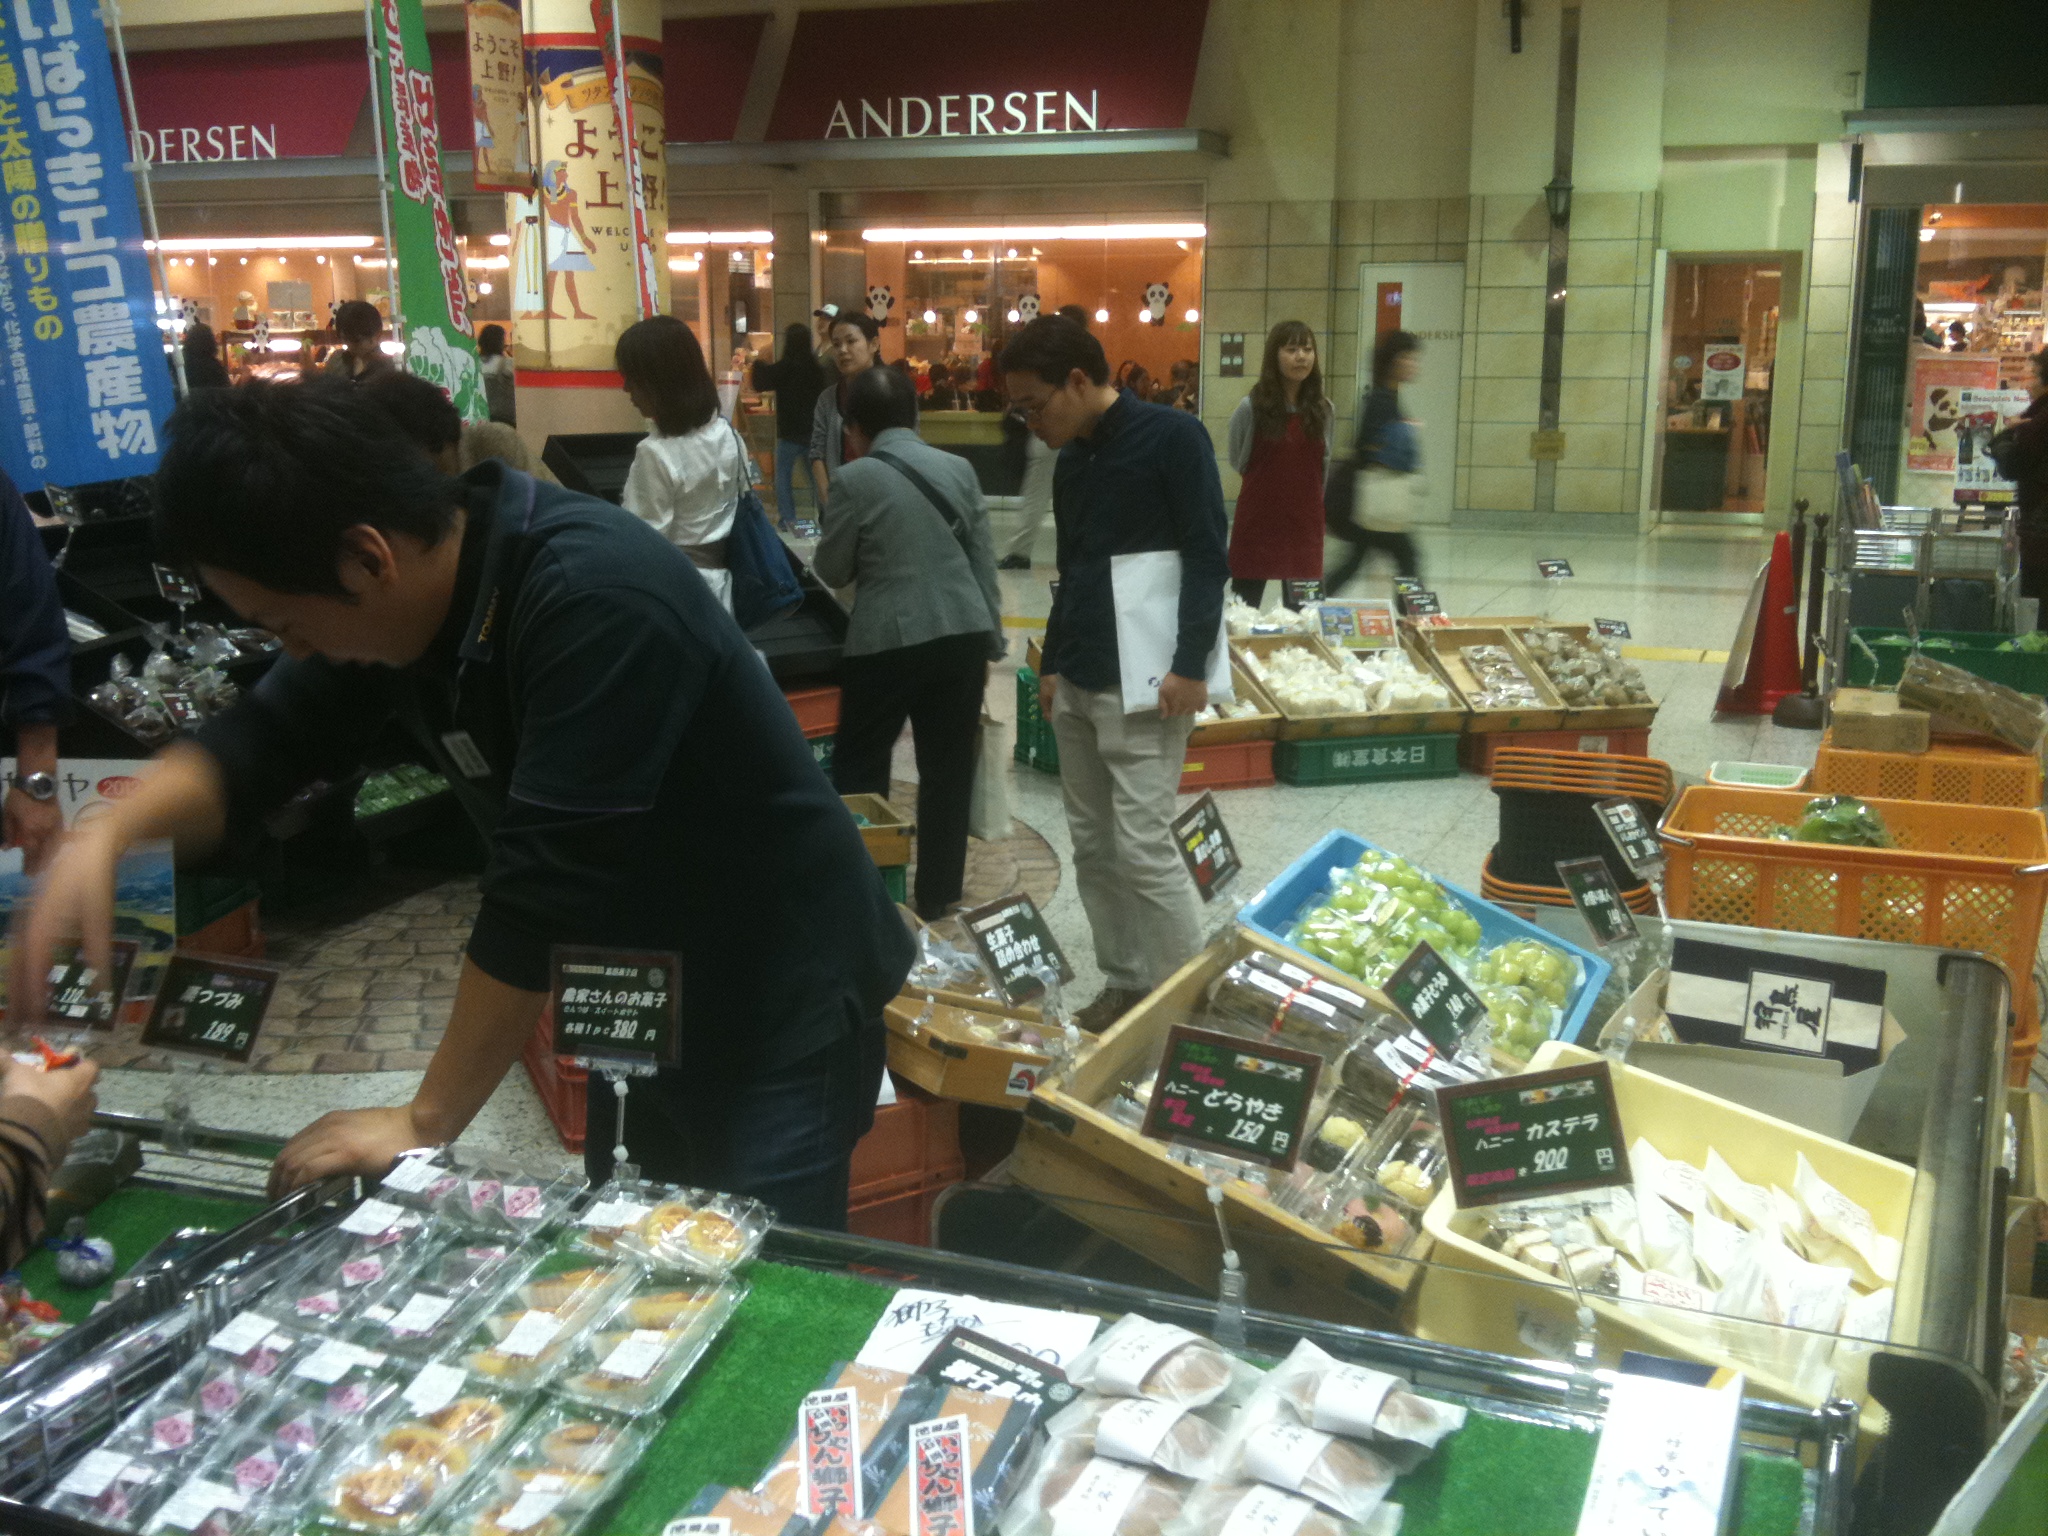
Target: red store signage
{"points": [[272, 102], [993, 70]]}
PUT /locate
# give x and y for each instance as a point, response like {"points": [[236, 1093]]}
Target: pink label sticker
{"points": [[219, 1395], [362, 1271], [262, 1362], [324, 1304], [350, 1397], [442, 1186], [254, 1472], [484, 1193], [173, 1432], [522, 1202], [298, 1434]]}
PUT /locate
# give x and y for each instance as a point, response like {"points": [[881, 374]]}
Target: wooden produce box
{"points": [[1125, 1186], [888, 831], [1600, 717], [943, 1056], [1263, 726], [1403, 722], [1448, 644]]}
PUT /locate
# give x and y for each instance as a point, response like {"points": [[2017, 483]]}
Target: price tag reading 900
{"points": [[1544, 1133]]}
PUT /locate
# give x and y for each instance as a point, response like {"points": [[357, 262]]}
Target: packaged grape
{"points": [[989, 1436], [748, 1512], [1838, 1230], [480, 1194], [693, 1233], [431, 1306], [865, 1404], [640, 1352], [112, 1488], [1258, 1509], [616, 1209], [1186, 1442], [562, 1466], [1340, 1399], [1271, 1445], [527, 1330], [1071, 1492], [1136, 1357]]}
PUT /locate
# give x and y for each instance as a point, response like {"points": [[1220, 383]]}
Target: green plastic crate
{"points": [[896, 880], [1366, 759], [1975, 652], [1036, 746], [821, 749]]}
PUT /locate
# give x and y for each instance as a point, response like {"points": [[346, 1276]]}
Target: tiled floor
{"points": [[371, 988]]}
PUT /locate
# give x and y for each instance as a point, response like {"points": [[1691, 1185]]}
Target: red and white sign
{"points": [[1722, 372], [1015, 67], [273, 102]]}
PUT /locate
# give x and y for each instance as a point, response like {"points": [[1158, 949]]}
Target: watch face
{"points": [[37, 786]]}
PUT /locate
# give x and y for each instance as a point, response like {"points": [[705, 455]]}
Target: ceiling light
{"points": [[931, 317], [721, 237], [968, 253], [1013, 250], [213, 261], [1013, 317], [678, 264], [990, 234], [1102, 317], [264, 243], [918, 254], [318, 261], [483, 288], [245, 261], [972, 316], [1192, 316], [501, 239]]}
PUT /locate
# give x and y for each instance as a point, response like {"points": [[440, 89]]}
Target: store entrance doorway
{"points": [[1712, 403], [1426, 299]]}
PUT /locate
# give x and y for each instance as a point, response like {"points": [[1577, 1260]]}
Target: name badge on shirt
{"points": [[465, 754]]}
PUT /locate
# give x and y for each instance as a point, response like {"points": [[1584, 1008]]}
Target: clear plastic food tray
{"points": [[480, 1194], [183, 1419], [428, 1308], [615, 1210], [635, 1358], [113, 1487], [693, 1232], [342, 1269], [411, 1461], [529, 1329], [566, 1462]]}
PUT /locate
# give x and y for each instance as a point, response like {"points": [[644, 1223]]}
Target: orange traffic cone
{"points": [[1770, 641]]}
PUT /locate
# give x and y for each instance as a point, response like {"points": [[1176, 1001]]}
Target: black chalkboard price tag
{"points": [[1554, 570], [1419, 604], [617, 1005], [1612, 629], [210, 1007], [76, 995], [1544, 1133], [1593, 892], [1243, 1098], [1404, 584], [1434, 998], [175, 587], [179, 705], [1305, 593], [1011, 936], [1206, 848], [1634, 838]]}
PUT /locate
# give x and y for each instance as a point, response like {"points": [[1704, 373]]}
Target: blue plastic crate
{"points": [[1273, 913]]}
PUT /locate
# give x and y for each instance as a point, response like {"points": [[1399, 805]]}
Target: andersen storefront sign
{"points": [[1019, 67]]}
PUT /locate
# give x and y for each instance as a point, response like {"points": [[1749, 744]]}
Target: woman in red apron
{"points": [[1279, 438]]}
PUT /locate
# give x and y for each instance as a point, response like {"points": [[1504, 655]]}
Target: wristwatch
{"points": [[37, 786]]}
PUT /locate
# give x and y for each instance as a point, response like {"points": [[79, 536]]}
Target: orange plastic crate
{"points": [[1479, 750], [1962, 772], [561, 1084], [1233, 765], [1961, 876], [816, 710], [1512, 893]]}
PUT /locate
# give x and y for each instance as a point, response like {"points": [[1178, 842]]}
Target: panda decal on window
{"points": [[1027, 307], [880, 302], [1157, 299]]}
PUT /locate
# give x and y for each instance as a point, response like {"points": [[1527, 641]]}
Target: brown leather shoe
{"points": [[1111, 1004]]}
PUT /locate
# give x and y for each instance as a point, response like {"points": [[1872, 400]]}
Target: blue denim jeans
{"points": [[785, 1137], [789, 463]]}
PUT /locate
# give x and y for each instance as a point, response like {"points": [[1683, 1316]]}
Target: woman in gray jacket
{"points": [[906, 525]]}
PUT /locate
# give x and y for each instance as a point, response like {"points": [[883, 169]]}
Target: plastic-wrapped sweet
{"points": [[1841, 1231], [1270, 1445], [1243, 619], [1136, 1357], [428, 1308], [1183, 1441], [1068, 1489], [1502, 682], [530, 1329], [1233, 709], [480, 1194], [114, 1488], [695, 1233], [416, 1455], [1393, 683], [1233, 1509], [638, 1355], [886, 1403], [1355, 1400], [1272, 997], [1585, 673], [179, 1422], [1304, 682]]}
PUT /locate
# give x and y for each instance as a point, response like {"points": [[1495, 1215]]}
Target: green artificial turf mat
{"points": [[740, 1407], [134, 1219]]}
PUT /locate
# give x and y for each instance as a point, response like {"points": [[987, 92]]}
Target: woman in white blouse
{"points": [[689, 470]]}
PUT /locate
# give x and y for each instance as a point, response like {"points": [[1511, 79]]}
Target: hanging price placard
{"points": [[617, 1005], [1612, 629], [1554, 570], [175, 587], [1543, 1133], [210, 1007], [1013, 941], [76, 995], [1248, 1099], [1419, 604], [1205, 847], [1434, 998], [1634, 837], [1593, 892]]}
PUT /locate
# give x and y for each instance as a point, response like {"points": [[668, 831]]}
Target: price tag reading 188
{"points": [[1593, 892], [211, 1007], [617, 1005], [1544, 1133], [1434, 998]]}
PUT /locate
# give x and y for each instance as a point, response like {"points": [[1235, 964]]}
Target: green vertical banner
{"points": [[429, 294]]}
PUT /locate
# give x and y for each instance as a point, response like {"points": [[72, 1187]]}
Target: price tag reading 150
{"points": [[1246, 1098], [1544, 1133], [617, 1005]]}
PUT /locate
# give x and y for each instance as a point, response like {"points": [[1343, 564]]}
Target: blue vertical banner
{"points": [[87, 387]]}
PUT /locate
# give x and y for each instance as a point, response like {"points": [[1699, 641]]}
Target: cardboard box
{"points": [[942, 1055], [1865, 720]]}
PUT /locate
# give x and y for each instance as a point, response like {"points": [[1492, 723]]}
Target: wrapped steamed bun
{"points": [[1136, 1357]]}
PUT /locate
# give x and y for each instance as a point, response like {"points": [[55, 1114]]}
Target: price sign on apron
{"points": [[1013, 940], [75, 992], [1434, 998], [1634, 838], [1593, 892], [210, 1007], [1244, 1098], [1205, 847], [1543, 1133], [617, 1005]]}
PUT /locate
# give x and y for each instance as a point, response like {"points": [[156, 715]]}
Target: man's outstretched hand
{"points": [[345, 1141]]}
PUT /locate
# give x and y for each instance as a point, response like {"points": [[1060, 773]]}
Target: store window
{"points": [[270, 299], [1720, 354], [1976, 322], [722, 285], [949, 295]]}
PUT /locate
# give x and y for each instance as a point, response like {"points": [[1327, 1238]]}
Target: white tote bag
{"points": [[988, 808], [1384, 500], [1146, 591]]}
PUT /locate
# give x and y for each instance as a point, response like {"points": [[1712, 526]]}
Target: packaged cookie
{"points": [[112, 1487], [428, 1307], [1257, 1509], [1136, 1357], [343, 1269], [1144, 1432], [1068, 1492], [413, 1459], [986, 1435], [617, 1209], [693, 1233], [564, 1463], [864, 1406], [640, 1352], [528, 1330], [1340, 1399], [1271, 1445]]}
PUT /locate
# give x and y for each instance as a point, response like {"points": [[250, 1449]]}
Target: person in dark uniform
{"points": [[641, 782]]}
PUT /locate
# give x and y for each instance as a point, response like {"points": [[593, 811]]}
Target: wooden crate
{"points": [[942, 1056], [1125, 1186], [1263, 726], [1448, 643], [1406, 722], [888, 831], [1603, 717]]}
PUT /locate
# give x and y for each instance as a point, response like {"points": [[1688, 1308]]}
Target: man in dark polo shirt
{"points": [[640, 781]]}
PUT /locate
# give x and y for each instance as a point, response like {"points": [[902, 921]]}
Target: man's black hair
{"points": [[357, 320], [1052, 348], [1075, 313], [265, 480], [881, 398], [422, 411]]}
